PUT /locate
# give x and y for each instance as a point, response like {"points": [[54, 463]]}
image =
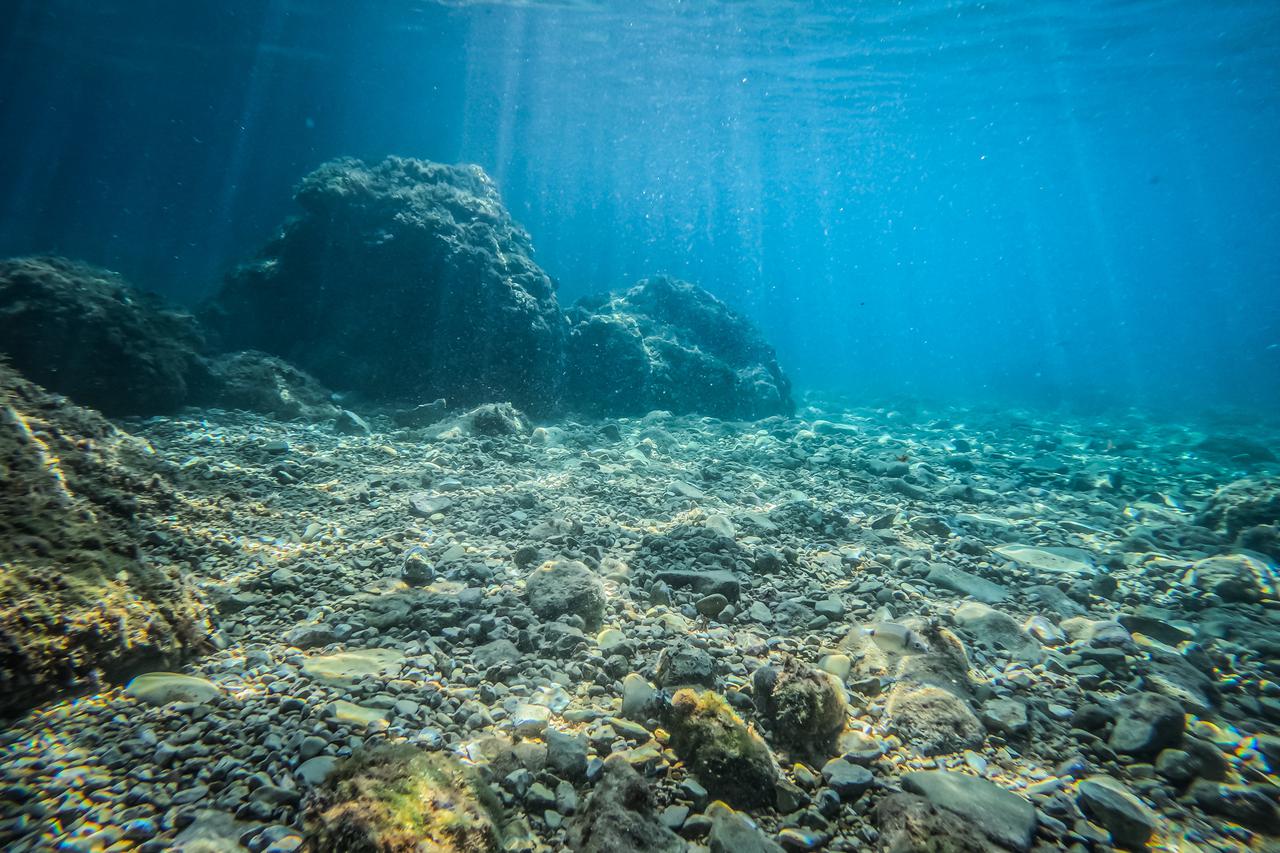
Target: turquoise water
{"points": [[1045, 202]]}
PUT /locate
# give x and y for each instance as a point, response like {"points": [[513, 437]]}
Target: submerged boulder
{"points": [[806, 707], [76, 599], [668, 344], [86, 333], [400, 798], [731, 761], [620, 816], [405, 280], [258, 382]]}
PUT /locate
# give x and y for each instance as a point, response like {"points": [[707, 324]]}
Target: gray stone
{"points": [[965, 583], [619, 816], [1145, 724], [717, 582], [560, 588], [735, 832], [567, 753], [847, 779], [1114, 807], [1005, 817], [638, 697]]}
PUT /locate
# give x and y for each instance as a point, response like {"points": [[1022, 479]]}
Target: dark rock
{"points": [[667, 344], [683, 664], [75, 596], [911, 824], [1004, 817], [619, 816], [1253, 807], [1145, 724], [806, 708], [1234, 448], [934, 721], [715, 582], [86, 333], [406, 280], [847, 779], [1243, 504], [735, 832], [1115, 808], [258, 382]]}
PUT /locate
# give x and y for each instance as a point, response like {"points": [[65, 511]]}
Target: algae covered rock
{"points": [[394, 798], [86, 333], [806, 708], [620, 816], [76, 600], [667, 344], [729, 759], [405, 280]]}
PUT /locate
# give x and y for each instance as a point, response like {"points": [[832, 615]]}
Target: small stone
{"points": [[312, 745], [638, 697], [314, 771], [711, 605], [847, 779], [530, 720], [349, 423]]}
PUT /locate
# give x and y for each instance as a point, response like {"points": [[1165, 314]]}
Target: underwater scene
{"points": [[740, 426]]}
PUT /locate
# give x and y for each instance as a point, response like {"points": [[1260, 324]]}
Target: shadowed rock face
{"points": [[668, 344], [84, 332], [404, 280]]}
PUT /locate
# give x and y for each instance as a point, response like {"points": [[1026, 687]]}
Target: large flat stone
{"points": [[161, 688], [349, 666], [966, 583], [725, 583], [1002, 815]]}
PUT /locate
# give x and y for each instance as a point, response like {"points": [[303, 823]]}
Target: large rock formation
{"points": [[84, 332], [668, 344], [76, 598], [404, 280]]}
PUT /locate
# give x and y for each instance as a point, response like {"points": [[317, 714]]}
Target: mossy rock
{"points": [[730, 759], [77, 602], [394, 798], [806, 708]]}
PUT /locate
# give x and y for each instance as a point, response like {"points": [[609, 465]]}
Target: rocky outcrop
{"points": [[76, 599], [258, 382], [668, 344], [404, 280], [86, 333]]}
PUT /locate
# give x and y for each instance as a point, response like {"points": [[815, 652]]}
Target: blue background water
{"points": [[1029, 201]]}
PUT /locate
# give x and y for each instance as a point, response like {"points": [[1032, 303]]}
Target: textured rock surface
{"points": [[619, 816], [399, 798], [86, 333], [668, 344], [404, 280], [259, 382], [74, 595]]}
